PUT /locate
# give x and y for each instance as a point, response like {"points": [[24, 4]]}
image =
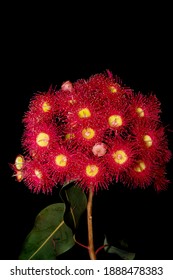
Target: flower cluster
{"points": [[93, 131]]}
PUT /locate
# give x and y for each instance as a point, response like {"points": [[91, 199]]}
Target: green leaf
{"points": [[76, 203], [49, 237], [123, 254]]}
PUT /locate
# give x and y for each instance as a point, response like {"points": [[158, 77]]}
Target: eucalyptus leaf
{"points": [[76, 203], [50, 235], [123, 254]]}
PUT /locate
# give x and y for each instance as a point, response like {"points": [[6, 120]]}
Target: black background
{"points": [[43, 48]]}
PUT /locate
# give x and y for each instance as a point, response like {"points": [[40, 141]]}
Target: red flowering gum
{"points": [[81, 114], [93, 131], [145, 107], [60, 162], [91, 173], [37, 176], [116, 117], [87, 132], [106, 87], [94, 90], [160, 181], [139, 175], [120, 157], [151, 141], [66, 99], [42, 108], [87, 136], [39, 140]]}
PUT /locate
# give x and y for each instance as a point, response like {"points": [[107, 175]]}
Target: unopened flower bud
{"points": [[99, 149], [67, 86]]}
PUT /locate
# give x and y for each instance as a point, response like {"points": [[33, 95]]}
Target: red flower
{"points": [[160, 180], [93, 131], [37, 176], [40, 139], [81, 113], [42, 108], [139, 175], [151, 141], [60, 162], [87, 133], [91, 173], [105, 87], [66, 100], [120, 157], [145, 107]]}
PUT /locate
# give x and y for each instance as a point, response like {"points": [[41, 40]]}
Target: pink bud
{"points": [[67, 86], [99, 149]]}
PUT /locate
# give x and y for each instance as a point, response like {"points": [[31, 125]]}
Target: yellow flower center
{"points": [[46, 107], [88, 133], [61, 160], [140, 166], [148, 141], [42, 139], [72, 101], [19, 176], [69, 136], [140, 112], [19, 161], [113, 89], [115, 121], [84, 113], [92, 170], [38, 173], [120, 156]]}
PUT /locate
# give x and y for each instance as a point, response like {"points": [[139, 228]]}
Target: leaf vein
{"points": [[47, 239]]}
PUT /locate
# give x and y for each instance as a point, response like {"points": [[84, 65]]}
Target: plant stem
{"points": [[90, 226]]}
